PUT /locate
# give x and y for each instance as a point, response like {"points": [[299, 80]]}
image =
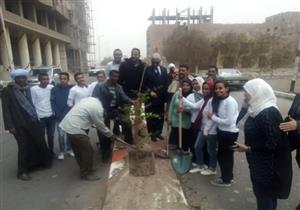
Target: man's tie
{"points": [[157, 71]]}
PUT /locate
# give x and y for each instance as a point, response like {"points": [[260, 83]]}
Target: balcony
{"points": [[17, 21]]}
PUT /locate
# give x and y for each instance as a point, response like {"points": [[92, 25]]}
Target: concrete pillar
{"points": [[6, 50], [46, 20], [21, 12], [48, 53], [34, 13], [23, 51], [36, 50], [3, 51], [63, 57], [55, 24], [2, 3], [56, 54]]}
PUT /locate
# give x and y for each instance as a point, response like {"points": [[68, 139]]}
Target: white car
{"points": [[52, 71], [94, 70]]}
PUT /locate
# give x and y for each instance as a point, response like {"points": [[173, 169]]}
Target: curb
{"points": [[285, 95]]}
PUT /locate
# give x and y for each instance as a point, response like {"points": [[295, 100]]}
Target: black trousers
{"points": [[105, 143], [264, 198], [119, 119], [32, 148], [83, 151], [225, 153], [155, 124]]}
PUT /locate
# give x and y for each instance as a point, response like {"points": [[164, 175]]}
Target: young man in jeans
{"points": [[59, 98], [41, 100]]}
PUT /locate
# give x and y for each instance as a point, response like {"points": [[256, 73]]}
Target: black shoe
{"points": [[161, 137], [153, 138], [90, 177], [24, 177], [106, 157]]}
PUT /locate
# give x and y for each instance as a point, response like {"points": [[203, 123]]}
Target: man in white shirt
{"points": [[79, 91], [41, 100], [115, 64], [85, 114]]}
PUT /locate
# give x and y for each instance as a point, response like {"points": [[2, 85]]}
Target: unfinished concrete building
{"points": [[44, 33], [284, 25]]}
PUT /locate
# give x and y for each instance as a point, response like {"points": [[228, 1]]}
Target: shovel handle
{"points": [[180, 119], [125, 143]]}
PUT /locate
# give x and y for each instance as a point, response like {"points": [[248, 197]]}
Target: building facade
{"points": [[283, 25], [44, 33]]}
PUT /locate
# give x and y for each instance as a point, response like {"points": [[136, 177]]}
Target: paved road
{"points": [[55, 188], [200, 193]]}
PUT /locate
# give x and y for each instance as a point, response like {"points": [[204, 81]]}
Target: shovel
{"points": [[181, 162], [126, 144]]}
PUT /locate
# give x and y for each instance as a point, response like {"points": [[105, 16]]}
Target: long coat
{"points": [[14, 115], [294, 136]]}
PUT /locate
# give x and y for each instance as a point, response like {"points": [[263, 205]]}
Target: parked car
{"points": [[95, 69], [52, 71], [233, 76]]}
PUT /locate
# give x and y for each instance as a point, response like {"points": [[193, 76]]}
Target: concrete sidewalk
{"points": [[160, 191]]}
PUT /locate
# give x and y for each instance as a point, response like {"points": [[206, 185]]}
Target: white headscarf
{"points": [[262, 96], [200, 80]]}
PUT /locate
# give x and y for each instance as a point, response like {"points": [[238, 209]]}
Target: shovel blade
{"points": [[181, 163]]}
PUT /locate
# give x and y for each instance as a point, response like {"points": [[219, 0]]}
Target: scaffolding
{"points": [[187, 15], [91, 51]]}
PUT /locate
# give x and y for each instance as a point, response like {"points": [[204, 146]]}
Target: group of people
{"points": [[211, 121]]}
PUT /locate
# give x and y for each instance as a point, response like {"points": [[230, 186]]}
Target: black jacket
{"points": [[294, 136], [157, 83], [130, 76], [14, 115], [105, 96]]}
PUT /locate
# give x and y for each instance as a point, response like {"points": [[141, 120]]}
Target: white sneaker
{"points": [[71, 153], [196, 170], [208, 172], [61, 156]]}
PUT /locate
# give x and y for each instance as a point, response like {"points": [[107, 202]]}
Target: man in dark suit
{"points": [[156, 85]]}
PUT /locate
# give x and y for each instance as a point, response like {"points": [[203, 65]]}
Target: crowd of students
{"points": [[215, 117], [211, 121]]}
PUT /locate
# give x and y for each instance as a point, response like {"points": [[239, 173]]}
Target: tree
{"points": [[188, 46]]}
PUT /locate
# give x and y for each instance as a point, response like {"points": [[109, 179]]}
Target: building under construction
{"points": [[46, 32]]}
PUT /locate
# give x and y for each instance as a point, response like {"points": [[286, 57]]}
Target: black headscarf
{"points": [[191, 89]]}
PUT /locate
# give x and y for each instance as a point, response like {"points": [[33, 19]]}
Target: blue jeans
{"points": [[62, 139], [48, 124], [211, 141]]}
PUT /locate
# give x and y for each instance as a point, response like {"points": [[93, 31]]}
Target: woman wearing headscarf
{"points": [[267, 148], [207, 134], [194, 97], [173, 117], [21, 120]]}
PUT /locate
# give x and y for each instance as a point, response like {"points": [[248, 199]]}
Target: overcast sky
{"points": [[123, 24]]}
